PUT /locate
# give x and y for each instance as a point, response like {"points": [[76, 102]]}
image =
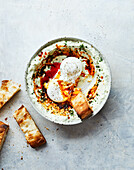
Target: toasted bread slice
{"points": [[7, 90], [3, 132], [81, 106], [32, 134]]}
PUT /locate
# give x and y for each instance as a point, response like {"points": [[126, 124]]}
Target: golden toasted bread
{"points": [[3, 132], [7, 90], [81, 106], [32, 134]]}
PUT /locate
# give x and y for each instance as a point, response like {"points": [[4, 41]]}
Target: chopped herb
{"points": [[97, 66], [97, 94], [39, 91], [99, 69], [33, 92], [65, 43], [90, 101], [71, 112], [101, 59], [82, 47]]}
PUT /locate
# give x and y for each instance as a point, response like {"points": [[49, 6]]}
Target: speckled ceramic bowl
{"points": [[75, 40]]}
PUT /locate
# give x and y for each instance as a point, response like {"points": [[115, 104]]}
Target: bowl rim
{"points": [[73, 40]]}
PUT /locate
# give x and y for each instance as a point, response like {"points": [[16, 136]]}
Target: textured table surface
{"points": [[107, 140]]}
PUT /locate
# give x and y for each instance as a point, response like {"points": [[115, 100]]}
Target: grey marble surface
{"points": [[106, 142]]}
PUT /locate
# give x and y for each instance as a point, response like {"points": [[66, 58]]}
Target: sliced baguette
{"points": [[32, 134], [81, 106], [7, 90], [3, 132]]}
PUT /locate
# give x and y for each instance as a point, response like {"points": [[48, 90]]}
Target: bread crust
{"points": [[32, 134], [7, 90], [81, 106], [3, 133]]}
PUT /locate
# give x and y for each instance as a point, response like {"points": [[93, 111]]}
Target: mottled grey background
{"points": [[105, 142]]}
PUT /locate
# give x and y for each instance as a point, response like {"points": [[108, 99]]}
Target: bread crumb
{"points": [[46, 128]]}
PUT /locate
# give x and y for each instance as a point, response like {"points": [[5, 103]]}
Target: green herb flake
{"points": [[82, 47], [101, 59], [65, 43], [39, 91], [71, 112], [97, 66]]}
